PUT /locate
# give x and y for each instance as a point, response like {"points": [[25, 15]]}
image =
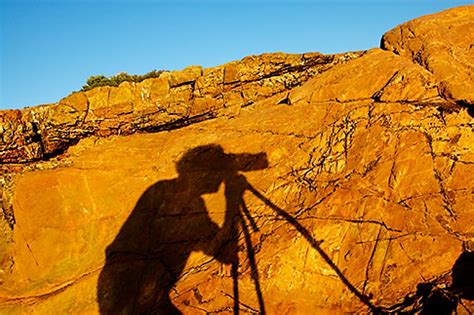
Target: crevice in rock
{"points": [[377, 95], [321, 60], [6, 187], [191, 83], [35, 298], [179, 123], [469, 107]]}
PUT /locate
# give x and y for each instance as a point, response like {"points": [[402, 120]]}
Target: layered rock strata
{"points": [[173, 100]]}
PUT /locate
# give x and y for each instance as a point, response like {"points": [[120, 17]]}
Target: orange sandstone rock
{"points": [[323, 184], [443, 44]]}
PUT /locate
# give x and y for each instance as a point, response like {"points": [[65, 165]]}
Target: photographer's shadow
{"points": [[168, 223]]}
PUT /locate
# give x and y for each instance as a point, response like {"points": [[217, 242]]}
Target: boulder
{"points": [[443, 44]]}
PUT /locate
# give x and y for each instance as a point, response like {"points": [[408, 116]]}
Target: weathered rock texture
{"points": [[366, 204], [174, 99], [444, 45]]}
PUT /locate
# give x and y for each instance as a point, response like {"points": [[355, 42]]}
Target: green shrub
{"points": [[115, 80]]}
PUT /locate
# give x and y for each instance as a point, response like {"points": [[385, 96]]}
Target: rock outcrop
{"points": [[278, 184], [173, 100], [444, 45]]}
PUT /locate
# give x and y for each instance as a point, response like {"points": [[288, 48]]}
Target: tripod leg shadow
{"points": [[316, 245]]}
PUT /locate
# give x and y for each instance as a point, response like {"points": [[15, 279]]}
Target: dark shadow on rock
{"points": [[440, 297], [439, 302], [168, 223], [468, 106], [463, 276], [470, 111]]}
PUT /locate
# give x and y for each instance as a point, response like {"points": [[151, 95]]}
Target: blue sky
{"points": [[49, 47]]}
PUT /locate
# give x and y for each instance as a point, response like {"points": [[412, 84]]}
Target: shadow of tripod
{"points": [[235, 188], [170, 221], [244, 185]]}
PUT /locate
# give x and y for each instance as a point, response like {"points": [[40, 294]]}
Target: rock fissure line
{"points": [[32, 299]]}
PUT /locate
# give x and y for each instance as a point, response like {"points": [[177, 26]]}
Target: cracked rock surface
{"points": [[364, 203], [444, 45], [173, 100]]}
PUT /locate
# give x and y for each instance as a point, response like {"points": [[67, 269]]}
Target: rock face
{"points": [[174, 99], [444, 45], [278, 184]]}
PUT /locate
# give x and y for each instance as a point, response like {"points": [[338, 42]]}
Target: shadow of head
{"points": [[170, 221], [208, 166]]}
